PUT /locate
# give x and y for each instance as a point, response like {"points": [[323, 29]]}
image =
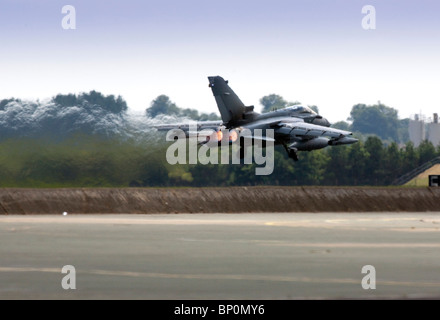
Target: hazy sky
{"points": [[316, 52]]}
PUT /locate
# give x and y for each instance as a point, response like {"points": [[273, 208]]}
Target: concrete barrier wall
{"points": [[212, 200]]}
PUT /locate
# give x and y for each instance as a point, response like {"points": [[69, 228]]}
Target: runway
{"points": [[221, 256]]}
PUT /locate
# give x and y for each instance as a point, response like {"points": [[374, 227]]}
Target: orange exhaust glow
{"points": [[233, 136]]}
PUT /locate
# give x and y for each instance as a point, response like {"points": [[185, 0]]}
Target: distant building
{"points": [[416, 130], [420, 130], [433, 133]]}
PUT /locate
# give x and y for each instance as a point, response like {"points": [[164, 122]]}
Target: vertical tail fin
{"points": [[229, 104]]}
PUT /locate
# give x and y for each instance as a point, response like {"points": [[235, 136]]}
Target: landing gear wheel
{"points": [[291, 152], [293, 155]]}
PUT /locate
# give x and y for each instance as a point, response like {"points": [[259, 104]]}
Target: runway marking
{"points": [[318, 221], [364, 224], [355, 245], [281, 243], [132, 220], [224, 277], [414, 229]]}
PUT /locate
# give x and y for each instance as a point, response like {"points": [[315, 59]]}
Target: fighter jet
{"points": [[296, 128]]}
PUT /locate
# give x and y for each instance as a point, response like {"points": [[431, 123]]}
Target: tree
{"points": [[403, 130], [92, 99], [275, 101], [314, 108], [426, 152], [208, 117], [336, 167], [189, 113], [194, 114], [376, 119], [5, 102], [272, 101], [342, 125], [356, 164], [392, 163], [66, 100], [162, 105], [410, 158], [310, 168], [375, 163]]}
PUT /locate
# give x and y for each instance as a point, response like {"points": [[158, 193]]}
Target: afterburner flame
{"points": [[233, 136]]}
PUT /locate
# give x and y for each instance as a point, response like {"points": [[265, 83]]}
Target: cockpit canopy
{"points": [[301, 109]]}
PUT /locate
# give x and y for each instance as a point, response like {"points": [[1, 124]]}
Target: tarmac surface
{"points": [[221, 256]]}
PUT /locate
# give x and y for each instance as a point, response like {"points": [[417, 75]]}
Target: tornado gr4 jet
{"points": [[297, 128]]}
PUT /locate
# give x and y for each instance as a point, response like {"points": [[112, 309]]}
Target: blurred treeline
{"points": [[89, 140], [91, 161]]}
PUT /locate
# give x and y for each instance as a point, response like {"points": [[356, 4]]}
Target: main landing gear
{"points": [[292, 153]]}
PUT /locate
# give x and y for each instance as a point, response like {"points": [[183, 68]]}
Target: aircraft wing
{"points": [[309, 130], [189, 125], [196, 126], [291, 127], [297, 127]]}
